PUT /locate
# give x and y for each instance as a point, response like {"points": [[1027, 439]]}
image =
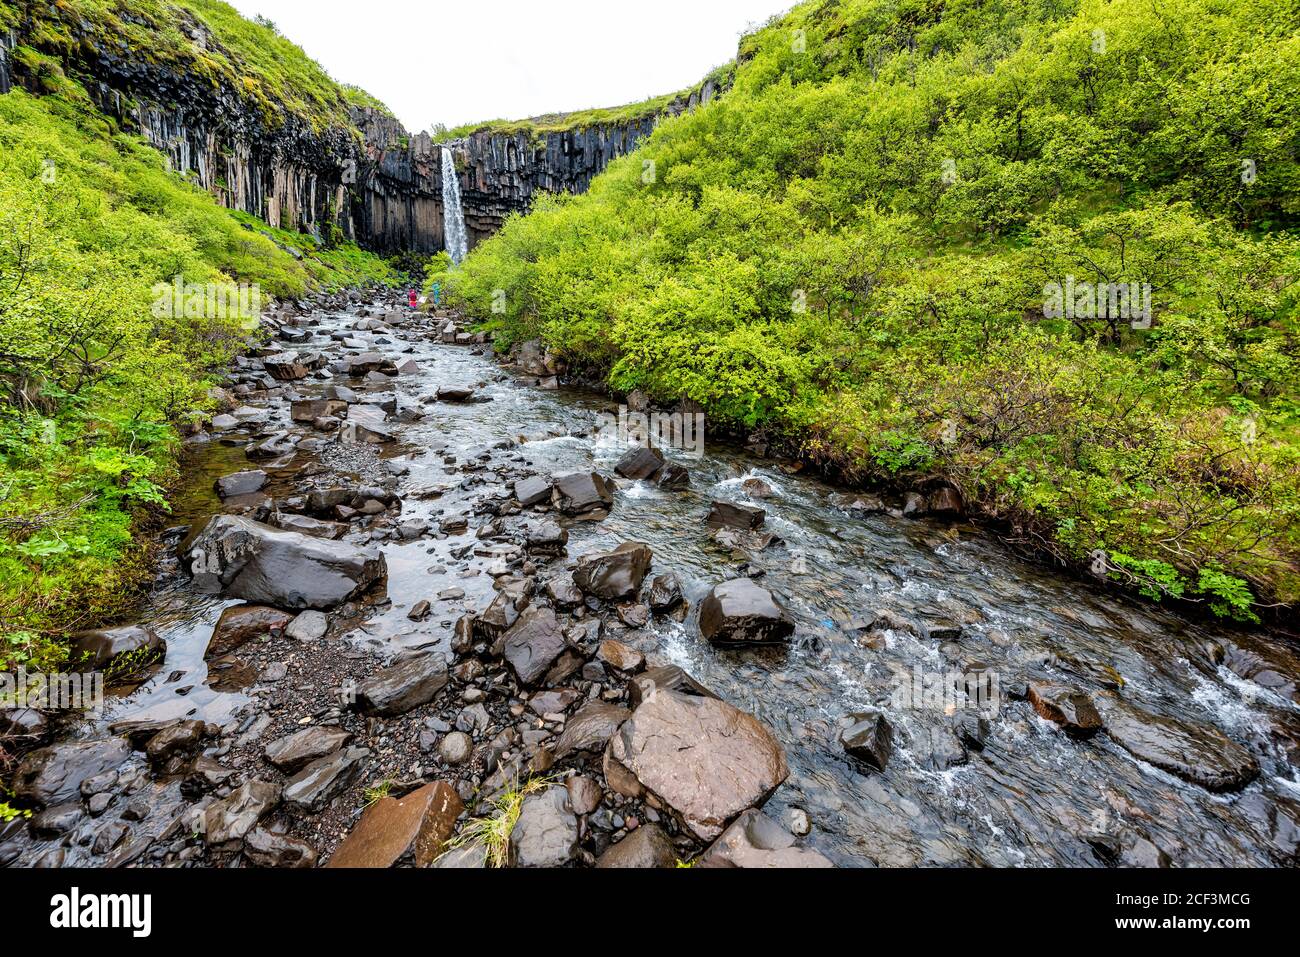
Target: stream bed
{"points": [[878, 600]]}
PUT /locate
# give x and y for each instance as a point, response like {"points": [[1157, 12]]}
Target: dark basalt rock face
{"points": [[381, 188]]}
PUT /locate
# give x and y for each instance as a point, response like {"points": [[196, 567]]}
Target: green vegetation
{"points": [[92, 375], [580, 119], [855, 250], [492, 832], [205, 40]]}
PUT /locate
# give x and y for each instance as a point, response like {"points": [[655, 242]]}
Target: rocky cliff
{"points": [[370, 181]]}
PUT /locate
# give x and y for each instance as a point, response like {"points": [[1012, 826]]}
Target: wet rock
{"points": [[563, 591], [755, 840], [266, 849], [308, 410], [285, 366], [665, 593], [420, 610], [702, 758], [321, 781], [532, 491], [1069, 707], [403, 686], [620, 656], [239, 625], [295, 751], [57, 820], [546, 834], [232, 818], [869, 737], [240, 483], [756, 487], [742, 612], [582, 494], [614, 575], [500, 614], [179, 738], [455, 748], [1195, 752], [533, 643], [673, 476], [544, 537], [946, 502], [729, 515], [23, 723], [584, 794], [914, 505], [591, 728], [418, 824], [664, 678], [308, 626], [646, 847], [113, 648], [455, 393], [246, 559], [640, 463], [54, 774], [306, 525], [937, 748]]}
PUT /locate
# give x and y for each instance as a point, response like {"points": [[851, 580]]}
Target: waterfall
{"points": [[453, 216]]}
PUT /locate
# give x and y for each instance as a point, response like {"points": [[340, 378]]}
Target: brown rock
{"points": [[702, 758], [421, 822], [242, 624]]}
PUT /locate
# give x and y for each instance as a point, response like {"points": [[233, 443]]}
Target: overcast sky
{"points": [[453, 63]]}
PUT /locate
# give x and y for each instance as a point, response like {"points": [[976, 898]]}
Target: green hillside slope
{"points": [[864, 248], [93, 376]]}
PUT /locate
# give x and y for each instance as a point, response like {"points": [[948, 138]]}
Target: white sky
{"points": [[459, 62]]}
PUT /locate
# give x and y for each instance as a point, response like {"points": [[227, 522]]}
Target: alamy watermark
{"points": [[1127, 301], [670, 430], [946, 691], [208, 300]]}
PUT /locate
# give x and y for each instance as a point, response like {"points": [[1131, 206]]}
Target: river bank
{"points": [[486, 632]]}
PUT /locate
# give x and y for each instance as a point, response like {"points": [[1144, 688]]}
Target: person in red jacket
{"points": [[413, 299]]}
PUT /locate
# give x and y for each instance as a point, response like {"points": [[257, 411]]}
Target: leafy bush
{"points": [[857, 245]]}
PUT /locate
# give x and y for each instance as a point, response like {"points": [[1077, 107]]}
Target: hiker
{"points": [[413, 299]]}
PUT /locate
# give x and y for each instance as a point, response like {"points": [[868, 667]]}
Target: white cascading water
{"points": [[453, 216]]}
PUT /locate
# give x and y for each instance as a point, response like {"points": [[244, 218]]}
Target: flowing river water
{"points": [[1033, 796]]}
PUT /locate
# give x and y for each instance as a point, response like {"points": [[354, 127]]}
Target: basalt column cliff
{"points": [[367, 180]]}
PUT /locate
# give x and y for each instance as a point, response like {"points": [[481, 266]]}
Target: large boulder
{"points": [[1195, 752], [546, 833], [418, 824], [701, 758], [742, 612], [104, 648], [406, 685], [755, 840], [532, 644], [53, 775], [241, 558], [614, 575], [582, 494]]}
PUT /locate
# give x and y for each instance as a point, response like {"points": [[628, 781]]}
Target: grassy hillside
{"points": [[863, 248], [93, 376]]}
